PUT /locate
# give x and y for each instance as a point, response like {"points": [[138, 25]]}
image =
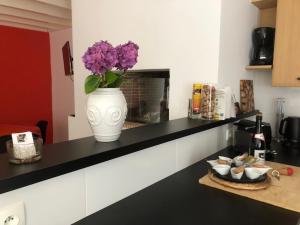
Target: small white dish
{"points": [[237, 176], [222, 169], [229, 160], [238, 160], [253, 173], [213, 162]]}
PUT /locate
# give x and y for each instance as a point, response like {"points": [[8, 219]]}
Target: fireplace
{"points": [[147, 96]]}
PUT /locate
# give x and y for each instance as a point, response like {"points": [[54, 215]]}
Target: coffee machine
{"points": [[262, 46]]}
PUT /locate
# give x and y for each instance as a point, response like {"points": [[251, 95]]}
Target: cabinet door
{"points": [[286, 66]]}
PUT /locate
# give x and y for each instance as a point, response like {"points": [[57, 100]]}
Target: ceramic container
{"points": [[237, 161], [212, 162], [253, 173], [106, 113], [229, 160], [222, 169], [237, 176]]}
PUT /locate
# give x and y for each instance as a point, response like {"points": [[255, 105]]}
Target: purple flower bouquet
{"points": [[102, 58]]}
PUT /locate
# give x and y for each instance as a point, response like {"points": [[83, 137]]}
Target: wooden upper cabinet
{"points": [[286, 65]]}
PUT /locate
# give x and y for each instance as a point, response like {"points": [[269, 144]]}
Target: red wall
{"points": [[25, 77]]}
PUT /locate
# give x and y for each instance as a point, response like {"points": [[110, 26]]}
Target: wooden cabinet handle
{"points": [[298, 78]]}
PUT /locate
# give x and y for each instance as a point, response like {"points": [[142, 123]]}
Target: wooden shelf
{"points": [[264, 67], [264, 4]]}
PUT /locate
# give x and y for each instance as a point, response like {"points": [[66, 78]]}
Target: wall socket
{"points": [[13, 214]]}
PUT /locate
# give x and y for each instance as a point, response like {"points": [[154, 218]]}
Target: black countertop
{"points": [[180, 200], [65, 157]]}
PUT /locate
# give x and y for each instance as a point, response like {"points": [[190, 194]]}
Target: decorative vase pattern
{"points": [[106, 113]]}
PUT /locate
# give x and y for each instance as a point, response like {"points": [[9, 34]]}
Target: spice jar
{"points": [[208, 96], [197, 98]]}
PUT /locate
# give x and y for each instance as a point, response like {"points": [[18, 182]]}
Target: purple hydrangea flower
{"points": [[99, 58], [127, 55]]}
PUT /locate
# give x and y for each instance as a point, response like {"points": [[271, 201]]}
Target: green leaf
{"points": [[118, 82], [92, 82], [110, 78]]}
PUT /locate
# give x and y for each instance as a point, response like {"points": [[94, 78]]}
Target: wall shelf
{"points": [[263, 67], [264, 4]]}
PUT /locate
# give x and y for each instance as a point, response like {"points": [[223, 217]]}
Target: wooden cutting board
{"points": [[284, 193]]}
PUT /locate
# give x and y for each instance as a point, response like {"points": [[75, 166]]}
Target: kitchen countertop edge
{"points": [[69, 156]]}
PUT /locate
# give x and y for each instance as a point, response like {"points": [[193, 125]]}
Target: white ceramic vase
{"points": [[106, 113]]}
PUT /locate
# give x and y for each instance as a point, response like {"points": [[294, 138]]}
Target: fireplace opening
{"points": [[147, 96]]}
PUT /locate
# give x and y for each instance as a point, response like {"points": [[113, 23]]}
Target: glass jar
{"points": [[27, 153], [208, 97]]}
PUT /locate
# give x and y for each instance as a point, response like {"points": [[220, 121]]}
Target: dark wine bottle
{"points": [[258, 140]]}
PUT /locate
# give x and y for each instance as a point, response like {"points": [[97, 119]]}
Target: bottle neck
{"points": [[258, 125]]}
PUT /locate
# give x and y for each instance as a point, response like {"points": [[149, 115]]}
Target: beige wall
{"points": [[62, 86], [265, 97]]}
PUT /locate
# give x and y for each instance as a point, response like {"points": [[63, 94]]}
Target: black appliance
{"points": [[290, 130], [263, 46], [244, 132]]}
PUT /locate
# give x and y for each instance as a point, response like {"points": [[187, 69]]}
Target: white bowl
{"points": [[229, 160], [237, 161], [213, 162], [222, 169], [253, 173], [237, 176]]}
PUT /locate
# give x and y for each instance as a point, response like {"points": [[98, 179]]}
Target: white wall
{"points": [[210, 41], [180, 35], [238, 19], [57, 201], [65, 199], [62, 86]]}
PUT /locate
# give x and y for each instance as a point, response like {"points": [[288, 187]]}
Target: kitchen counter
{"points": [[70, 156], [180, 200]]}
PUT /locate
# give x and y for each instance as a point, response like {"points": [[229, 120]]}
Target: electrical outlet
{"points": [[13, 214]]}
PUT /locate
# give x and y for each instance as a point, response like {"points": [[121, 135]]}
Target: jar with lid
{"points": [[208, 96]]}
